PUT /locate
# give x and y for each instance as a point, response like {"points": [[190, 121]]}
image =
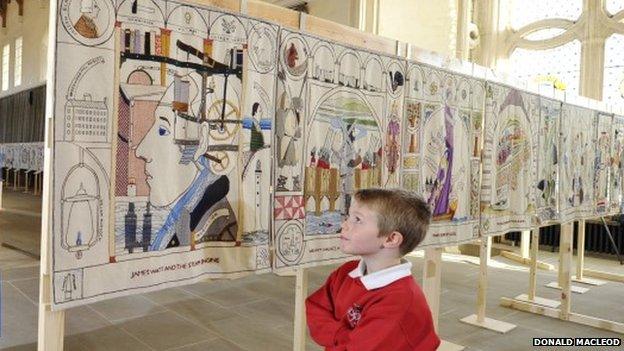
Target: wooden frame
{"points": [[565, 280], [479, 319], [431, 285]]}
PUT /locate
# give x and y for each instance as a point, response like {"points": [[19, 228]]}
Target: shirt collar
{"points": [[383, 277]]}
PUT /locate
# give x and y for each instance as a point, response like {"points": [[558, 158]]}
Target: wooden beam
{"points": [[580, 258], [533, 266], [598, 323], [431, 281], [301, 292], [604, 275], [580, 249], [526, 261], [479, 319], [565, 266], [525, 238], [484, 258]]}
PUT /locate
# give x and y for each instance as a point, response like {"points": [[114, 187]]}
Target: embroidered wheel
{"points": [[224, 165], [231, 120]]}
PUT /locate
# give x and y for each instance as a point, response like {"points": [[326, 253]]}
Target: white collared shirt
{"points": [[383, 277]]}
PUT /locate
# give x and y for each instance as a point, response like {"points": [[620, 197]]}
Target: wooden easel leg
{"points": [[580, 258], [301, 292], [564, 313], [531, 296], [36, 184], [479, 319], [51, 329], [26, 179], [524, 243], [432, 289], [51, 323], [565, 265], [533, 267], [560, 273], [484, 256], [431, 281]]}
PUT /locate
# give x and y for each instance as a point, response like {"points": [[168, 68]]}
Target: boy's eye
{"points": [[162, 131]]}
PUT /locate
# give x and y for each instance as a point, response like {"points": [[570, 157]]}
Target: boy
{"points": [[375, 304]]}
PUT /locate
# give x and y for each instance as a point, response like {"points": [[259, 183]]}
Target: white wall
{"points": [[340, 11], [429, 24], [33, 27]]}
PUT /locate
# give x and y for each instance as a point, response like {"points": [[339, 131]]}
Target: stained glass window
{"points": [[614, 6], [613, 88], [524, 12], [560, 64]]}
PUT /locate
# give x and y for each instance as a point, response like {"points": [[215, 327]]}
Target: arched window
{"points": [[576, 44]]}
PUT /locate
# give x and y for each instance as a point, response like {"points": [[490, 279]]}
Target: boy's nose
{"points": [[343, 226]]}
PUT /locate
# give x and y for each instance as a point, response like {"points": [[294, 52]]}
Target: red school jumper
{"points": [[381, 311]]}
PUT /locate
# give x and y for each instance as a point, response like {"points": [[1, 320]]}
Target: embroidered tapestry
{"points": [[22, 156], [547, 161], [509, 160], [617, 157], [162, 147], [602, 162], [576, 163], [443, 118], [337, 129]]}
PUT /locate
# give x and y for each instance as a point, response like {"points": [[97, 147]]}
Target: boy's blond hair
{"points": [[398, 210]]}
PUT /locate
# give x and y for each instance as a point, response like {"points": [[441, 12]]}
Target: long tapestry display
{"points": [[441, 146], [337, 129], [576, 168], [509, 160], [22, 156], [192, 143], [163, 116]]}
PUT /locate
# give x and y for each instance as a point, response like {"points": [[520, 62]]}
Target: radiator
{"points": [[596, 238]]}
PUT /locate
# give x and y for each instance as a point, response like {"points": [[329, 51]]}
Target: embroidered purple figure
{"points": [[439, 197]]}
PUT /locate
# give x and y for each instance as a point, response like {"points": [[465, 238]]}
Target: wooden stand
{"points": [[301, 292], [526, 261], [561, 273], [15, 179], [431, 283], [26, 173], [564, 312], [580, 258], [531, 297], [37, 185], [523, 257], [479, 319], [1, 189], [603, 275], [525, 239], [51, 323]]}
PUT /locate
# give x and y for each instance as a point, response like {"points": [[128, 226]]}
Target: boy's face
{"points": [[360, 233]]}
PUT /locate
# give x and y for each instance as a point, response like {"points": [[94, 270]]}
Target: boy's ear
{"points": [[204, 129], [393, 240]]}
